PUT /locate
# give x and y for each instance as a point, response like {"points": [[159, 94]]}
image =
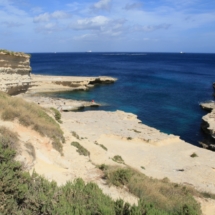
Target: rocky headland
{"points": [[45, 83]]}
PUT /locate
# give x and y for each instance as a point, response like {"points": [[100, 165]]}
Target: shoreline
{"points": [[164, 155], [47, 83], [104, 135], [144, 148]]}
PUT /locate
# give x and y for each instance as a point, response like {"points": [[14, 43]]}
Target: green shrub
{"points": [[57, 114], [22, 194], [162, 195], [194, 155], [80, 149], [118, 159], [103, 167], [121, 176], [74, 134], [8, 137], [101, 145]]}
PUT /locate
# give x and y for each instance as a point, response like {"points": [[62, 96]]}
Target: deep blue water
{"points": [[163, 89]]}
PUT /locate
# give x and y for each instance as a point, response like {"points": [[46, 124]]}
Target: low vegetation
{"points": [[74, 134], [18, 54], [80, 149], [118, 159], [33, 116], [101, 145], [25, 194], [57, 114], [8, 137], [193, 155], [136, 131], [162, 194], [22, 193]]}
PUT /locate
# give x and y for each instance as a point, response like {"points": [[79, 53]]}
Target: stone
{"points": [[14, 72]]}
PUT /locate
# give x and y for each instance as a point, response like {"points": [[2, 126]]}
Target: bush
{"points": [[194, 155], [120, 176], [162, 195], [101, 145], [8, 137], [22, 194], [80, 149], [57, 114], [118, 159], [74, 134]]}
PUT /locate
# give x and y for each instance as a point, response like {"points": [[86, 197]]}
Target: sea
{"points": [[163, 89]]}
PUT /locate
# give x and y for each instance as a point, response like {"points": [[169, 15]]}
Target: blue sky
{"points": [[108, 25]]}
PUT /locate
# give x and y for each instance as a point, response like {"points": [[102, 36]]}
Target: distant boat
{"points": [[181, 52], [89, 51]]}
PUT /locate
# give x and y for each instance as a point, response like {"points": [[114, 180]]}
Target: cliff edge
{"points": [[14, 72]]}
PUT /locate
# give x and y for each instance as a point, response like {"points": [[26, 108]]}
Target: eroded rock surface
{"points": [[43, 83], [14, 72], [208, 125]]}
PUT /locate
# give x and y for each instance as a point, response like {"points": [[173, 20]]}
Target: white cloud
{"points": [[48, 28], [95, 23], [102, 5], [100, 25], [46, 17]]}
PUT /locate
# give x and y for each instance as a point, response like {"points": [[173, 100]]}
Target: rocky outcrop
{"points": [[59, 103], [43, 83], [14, 72], [208, 125]]}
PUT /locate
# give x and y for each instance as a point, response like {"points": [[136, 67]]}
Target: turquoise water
{"points": [[164, 90]]}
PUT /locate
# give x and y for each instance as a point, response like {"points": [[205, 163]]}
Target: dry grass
{"points": [[33, 116], [163, 194], [17, 54], [8, 137]]}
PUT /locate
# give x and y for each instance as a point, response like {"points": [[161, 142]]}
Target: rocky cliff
{"points": [[208, 125], [14, 72]]}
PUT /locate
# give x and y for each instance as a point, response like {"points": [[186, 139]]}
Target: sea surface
{"points": [[163, 89]]}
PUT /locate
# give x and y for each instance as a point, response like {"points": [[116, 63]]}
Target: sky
{"points": [[108, 25]]}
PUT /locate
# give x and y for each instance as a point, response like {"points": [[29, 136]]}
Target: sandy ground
{"points": [[160, 154]]}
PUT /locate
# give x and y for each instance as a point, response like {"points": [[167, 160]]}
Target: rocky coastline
{"points": [[105, 134], [46, 83], [208, 124]]}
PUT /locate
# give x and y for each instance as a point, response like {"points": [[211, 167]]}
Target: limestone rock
{"points": [[14, 72]]}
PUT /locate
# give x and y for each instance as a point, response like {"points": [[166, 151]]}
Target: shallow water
{"points": [[164, 90]]}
